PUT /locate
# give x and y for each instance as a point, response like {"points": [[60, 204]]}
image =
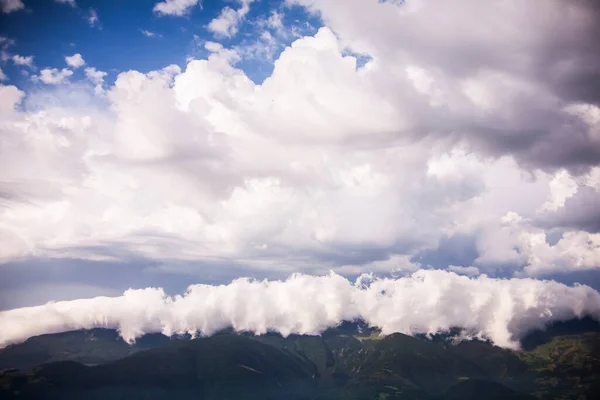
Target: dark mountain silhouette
{"points": [[351, 361], [94, 346], [561, 328]]}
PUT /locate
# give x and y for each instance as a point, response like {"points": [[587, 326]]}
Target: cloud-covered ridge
{"points": [[460, 147], [428, 301]]}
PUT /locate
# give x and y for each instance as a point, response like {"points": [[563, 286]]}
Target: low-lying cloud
{"points": [[428, 301], [394, 136]]}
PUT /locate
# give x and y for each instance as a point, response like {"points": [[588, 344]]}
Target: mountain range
{"points": [[350, 362]]}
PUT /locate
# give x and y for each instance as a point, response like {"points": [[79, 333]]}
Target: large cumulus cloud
{"points": [[469, 121], [498, 72]]}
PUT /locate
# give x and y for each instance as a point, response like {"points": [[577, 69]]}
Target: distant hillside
{"points": [[94, 346], [562, 328], [220, 367], [350, 362]]}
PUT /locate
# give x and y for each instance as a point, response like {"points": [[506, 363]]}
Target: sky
{"points": [[170, 143]]}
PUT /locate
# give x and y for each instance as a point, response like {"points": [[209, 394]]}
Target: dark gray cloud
{"points": [[533, 60], [458, 249], [580, 212], [590, 278]]}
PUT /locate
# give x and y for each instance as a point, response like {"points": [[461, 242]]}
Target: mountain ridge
{"points": [[348, 362]]}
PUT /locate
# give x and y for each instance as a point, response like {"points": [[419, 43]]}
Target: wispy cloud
{"points": [[227, 23], [97, 78], [275, 21], [150, 34], [9, 6], [72, 3], [92, 18]]}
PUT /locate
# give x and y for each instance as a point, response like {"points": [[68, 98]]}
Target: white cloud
{"points": [[92, 18], [3, 76], [72, 3], [562, 187], [263, 49], [275, 21], [230, 56], [425, 302], [22, 60], [9, 6], [324, 165], [95, 76], [150, 34], [75, 61], [6, 41], [53, 76], [227, 23], [175, 7], [575, 251], [10, 97]]}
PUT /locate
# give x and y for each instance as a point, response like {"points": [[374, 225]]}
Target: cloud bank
{"points": [[425, 302], [399, 136]]}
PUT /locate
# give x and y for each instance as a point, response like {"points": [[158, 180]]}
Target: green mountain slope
{"points": [[94, 346], [474, 389], [224, 366], [344, 363], [567, 367]]}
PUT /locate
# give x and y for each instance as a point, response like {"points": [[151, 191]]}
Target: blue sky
{"points": [[118, 40], [168, 143]]}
